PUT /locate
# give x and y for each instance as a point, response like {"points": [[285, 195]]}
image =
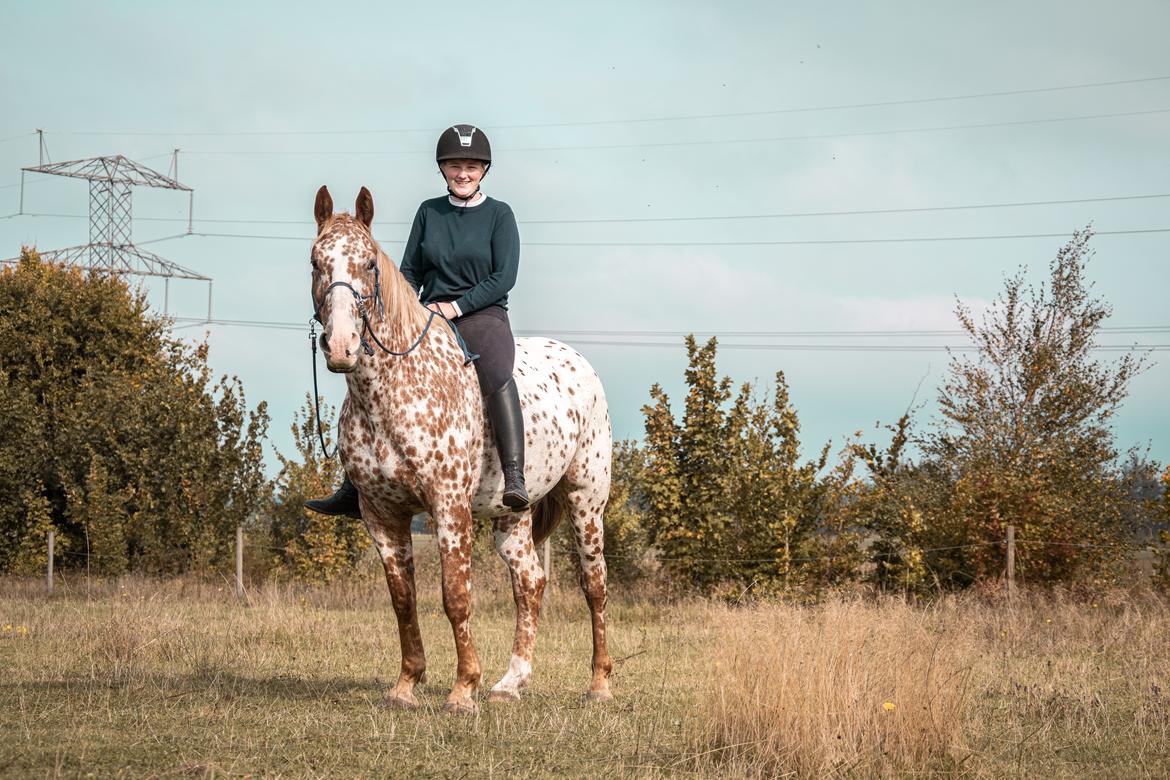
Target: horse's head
{"points": [[346, 278]]}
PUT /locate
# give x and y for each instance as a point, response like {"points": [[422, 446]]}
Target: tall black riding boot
{"points": [[507, 419], [343, 502]]}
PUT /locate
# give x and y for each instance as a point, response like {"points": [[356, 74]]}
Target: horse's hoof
{"points": [[504, 695], [602, 694], [463, 707], [400, 701]]}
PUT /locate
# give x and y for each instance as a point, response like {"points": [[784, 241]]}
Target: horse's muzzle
{"points": [[338, 365]]}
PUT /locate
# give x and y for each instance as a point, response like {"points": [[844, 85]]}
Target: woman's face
{"points": [[463, 176]]}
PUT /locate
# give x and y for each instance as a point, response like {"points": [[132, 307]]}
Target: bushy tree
{"points": [[626, 535], [312, 546], [118, 427], [729, 502], [1025, 432], [691, 458], [1161, 537]]}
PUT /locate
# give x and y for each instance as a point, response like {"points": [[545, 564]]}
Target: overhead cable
{"points": [[665, 144], [691, 218], [637, 120]]}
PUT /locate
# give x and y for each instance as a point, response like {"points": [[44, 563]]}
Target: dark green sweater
{"points": [[468, 255]]}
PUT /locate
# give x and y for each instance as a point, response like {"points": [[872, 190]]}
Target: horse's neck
{"points": [[400, 380]]}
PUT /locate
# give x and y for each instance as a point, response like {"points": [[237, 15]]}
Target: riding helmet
{"points": [[463, 142]]}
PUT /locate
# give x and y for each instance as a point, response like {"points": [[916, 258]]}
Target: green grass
{"points": [[178, 679]]}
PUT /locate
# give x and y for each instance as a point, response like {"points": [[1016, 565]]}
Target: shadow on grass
{"points": [[213, 683]]}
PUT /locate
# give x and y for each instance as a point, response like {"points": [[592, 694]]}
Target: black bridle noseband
{"points": [[362, 300]]}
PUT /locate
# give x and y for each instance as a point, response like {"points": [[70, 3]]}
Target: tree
{"points": [[690, 459], [119, 427], [729, 503], [1025, 432], [312, 546], [626, 536]]}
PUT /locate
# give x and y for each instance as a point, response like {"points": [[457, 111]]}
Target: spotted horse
{"points": [[413, 436]]}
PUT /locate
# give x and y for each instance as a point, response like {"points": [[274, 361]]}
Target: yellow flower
{"points": [[22, 630], [7, 627], [889, 706], [1047, 620]]}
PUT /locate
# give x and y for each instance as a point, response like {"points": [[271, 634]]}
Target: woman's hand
{"points": [[444, 308]]}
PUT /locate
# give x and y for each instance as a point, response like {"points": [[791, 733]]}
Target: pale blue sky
{"points": [[231, 84]]}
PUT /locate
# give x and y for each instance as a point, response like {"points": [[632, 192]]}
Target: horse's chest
{"points": [[416, 448]]}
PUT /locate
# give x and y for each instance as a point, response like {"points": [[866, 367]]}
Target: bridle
{"points": [[362, 301]]}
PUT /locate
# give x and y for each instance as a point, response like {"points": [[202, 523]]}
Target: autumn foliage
{"points": [[1023, 438], [113, 433]]}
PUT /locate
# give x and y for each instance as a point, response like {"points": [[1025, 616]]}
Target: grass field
{"points": [[178, 679]]}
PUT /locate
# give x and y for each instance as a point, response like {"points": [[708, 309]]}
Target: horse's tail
{"points": [[546, 514]]}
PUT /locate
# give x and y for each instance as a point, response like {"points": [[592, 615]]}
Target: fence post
{"points": [[239, 561], [547, 560], [49, 580], [1011, 562]]}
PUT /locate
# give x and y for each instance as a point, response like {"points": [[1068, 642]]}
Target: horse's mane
{"points": [[399, 298]]}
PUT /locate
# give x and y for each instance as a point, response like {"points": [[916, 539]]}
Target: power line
{"points": [[693, 218], [793, 242], [636, 120], [929, 348], [15, 137], [712, 142], [919, 333], [859, 347]]}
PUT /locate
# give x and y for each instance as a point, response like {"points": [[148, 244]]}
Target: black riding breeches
{"points": [[488, 333]]}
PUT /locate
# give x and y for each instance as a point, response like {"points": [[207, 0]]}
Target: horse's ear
{"points": [[323, 209], [364, 208]]}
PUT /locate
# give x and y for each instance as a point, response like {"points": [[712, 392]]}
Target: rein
{"points": [[468, 356]]}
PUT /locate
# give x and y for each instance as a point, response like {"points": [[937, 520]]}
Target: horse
{"points": [[413, 436]]}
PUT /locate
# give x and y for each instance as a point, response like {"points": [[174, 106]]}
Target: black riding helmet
{"points": [[464, 142]]}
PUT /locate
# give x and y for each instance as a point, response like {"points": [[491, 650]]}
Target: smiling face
{"points": [[463, 176], [344, 260]]}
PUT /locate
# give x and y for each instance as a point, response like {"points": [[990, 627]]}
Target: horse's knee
{"points": [[456, 603], [593, 582]]}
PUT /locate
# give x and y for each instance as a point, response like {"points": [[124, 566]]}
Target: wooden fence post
{"points": [[49, 580], [1011, 562], [548, 560], [239, 561]]}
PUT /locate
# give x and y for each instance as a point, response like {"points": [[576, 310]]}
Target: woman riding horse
{"points": [[462, 254]]}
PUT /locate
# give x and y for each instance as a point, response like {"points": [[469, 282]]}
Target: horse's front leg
{"points": [[513, 536], [454, 531], [393, 542]]}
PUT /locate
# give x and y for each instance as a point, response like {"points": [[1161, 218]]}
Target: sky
{"points": [[670, 166]]}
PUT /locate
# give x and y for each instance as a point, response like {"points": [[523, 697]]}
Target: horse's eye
{"points": [[370, 266]]}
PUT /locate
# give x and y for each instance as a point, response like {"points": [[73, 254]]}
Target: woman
{"points": [[462, 255]]}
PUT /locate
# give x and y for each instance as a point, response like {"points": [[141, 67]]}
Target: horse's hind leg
{"points": [[513, 536], [586, 506]]}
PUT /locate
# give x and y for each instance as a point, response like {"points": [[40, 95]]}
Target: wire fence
{"points": [[1009, 544]]}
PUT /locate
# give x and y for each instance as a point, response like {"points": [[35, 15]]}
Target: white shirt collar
{"points": [[476, 201]]}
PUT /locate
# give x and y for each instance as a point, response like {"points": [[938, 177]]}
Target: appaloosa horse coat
{"points": [[413, 436]]}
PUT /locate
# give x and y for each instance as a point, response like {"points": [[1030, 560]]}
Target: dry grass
{"points": [[830, 689], [177, 678], [966, 687]]}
